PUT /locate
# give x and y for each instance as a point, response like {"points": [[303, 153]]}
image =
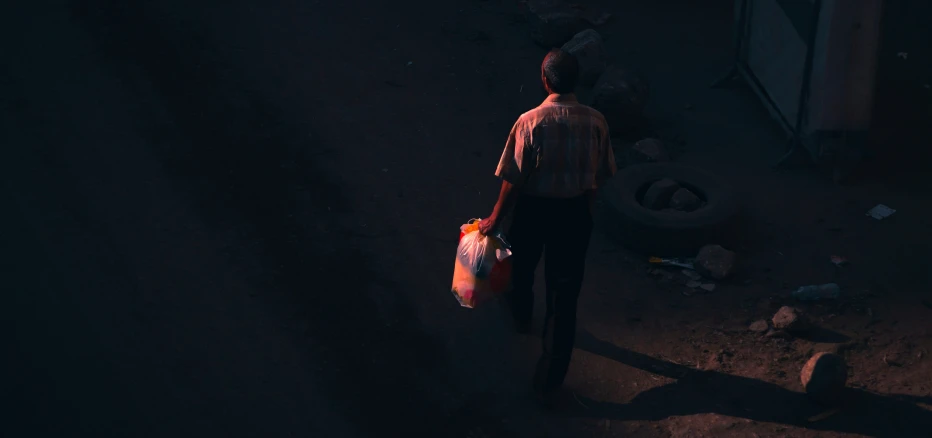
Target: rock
{"points": [[693, 284], [589, 51], [554, 22], [759, 326], [715, 262], [659, 193], [621, 95], [791, 320], [685, 200], [708, 287], [648, 150], [824, 377]]}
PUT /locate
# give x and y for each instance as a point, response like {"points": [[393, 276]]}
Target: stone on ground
{"points": [[589, 51], [759, 326], [685, 200], [791, 320], [659, 193], [824, 377], [648, 150], [554, 22], [715, 262], [621, 95]]}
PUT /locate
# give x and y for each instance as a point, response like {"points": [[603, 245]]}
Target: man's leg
{"points": [[527, 246], [564, 269]]}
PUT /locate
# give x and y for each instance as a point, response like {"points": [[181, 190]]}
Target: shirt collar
{"points": [[561, 98]]}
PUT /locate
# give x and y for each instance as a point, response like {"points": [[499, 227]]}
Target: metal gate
{"points": [[812, 63]]}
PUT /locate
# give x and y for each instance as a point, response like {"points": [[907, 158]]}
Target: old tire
{"points": [[666, 233]]}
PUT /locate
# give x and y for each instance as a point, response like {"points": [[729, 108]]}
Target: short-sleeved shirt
{"points": [[561, 149]]}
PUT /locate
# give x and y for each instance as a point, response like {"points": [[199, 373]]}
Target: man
{"points": [[555, 158]]}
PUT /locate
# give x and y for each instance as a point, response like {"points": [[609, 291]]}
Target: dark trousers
{"points": [[561, 228]]}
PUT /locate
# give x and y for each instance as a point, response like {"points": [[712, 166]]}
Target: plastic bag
{"points": [[482, 268]]}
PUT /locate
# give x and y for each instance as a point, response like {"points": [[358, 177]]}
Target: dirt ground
{"points": [[238, 219]]}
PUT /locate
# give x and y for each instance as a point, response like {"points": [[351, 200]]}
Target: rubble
{"points": [[658, 195], [759, 326], [824, 377], [648, 150], [554, 22], [791, 320], [589, 51], [620, 95], [715, 262], [685, 200]]}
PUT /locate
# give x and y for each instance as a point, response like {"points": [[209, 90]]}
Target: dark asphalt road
{"points": [[196, 204]]}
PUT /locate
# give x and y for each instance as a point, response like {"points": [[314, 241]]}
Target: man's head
{"points": [[559, 72]]}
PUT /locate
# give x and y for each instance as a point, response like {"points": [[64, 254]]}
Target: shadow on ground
{"points": [[701, 392], [824, 336], [244, 159]]}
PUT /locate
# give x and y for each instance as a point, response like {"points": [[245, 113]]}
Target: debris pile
{"points": [[621, 95], [554, 22], [712, 263], [648, 150], [588, 49]]}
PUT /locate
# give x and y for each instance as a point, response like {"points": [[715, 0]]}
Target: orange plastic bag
{"points": [[482, 268]]}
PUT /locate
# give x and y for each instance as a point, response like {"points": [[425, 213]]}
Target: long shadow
{"points": [[700, 392], [231, 164], [824, 335]]}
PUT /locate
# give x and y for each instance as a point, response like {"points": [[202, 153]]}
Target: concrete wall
{"points": [[845, 65]]}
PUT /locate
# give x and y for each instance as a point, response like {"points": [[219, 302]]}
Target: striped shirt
{"points": [[561, 149]]}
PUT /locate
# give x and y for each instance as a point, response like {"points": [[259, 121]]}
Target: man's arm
{"points": [[512, 169], [506, 200]]}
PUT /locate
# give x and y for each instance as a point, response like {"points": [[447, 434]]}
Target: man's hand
{"points": [[506, 198], [488, 226]]}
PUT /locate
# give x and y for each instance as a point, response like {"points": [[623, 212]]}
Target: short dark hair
{"points": [[561, 71]]}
